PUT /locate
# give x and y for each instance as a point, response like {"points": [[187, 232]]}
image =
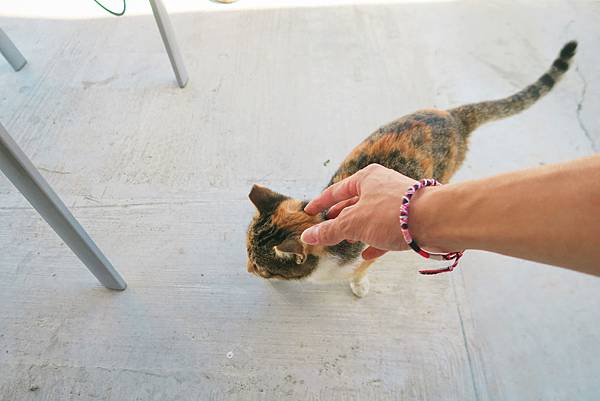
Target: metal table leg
{"points": [[23, 174], [10, 52], [168, 37]]}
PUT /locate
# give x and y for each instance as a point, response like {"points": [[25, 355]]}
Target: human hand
{"points": [[364, 207]]}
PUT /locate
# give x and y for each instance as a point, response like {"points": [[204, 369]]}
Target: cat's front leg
{"points": [[360, 288], [359, 283]]}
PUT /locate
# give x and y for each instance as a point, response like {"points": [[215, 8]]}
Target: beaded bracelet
{"points": [[429, 182]]}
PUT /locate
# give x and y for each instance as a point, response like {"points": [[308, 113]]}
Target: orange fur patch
{"points": [[289, 215]]}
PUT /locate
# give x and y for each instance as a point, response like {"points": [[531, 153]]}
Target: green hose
{"points": [[112, 12]]}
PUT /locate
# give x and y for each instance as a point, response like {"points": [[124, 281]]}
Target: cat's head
{"points": [[273, 241]]}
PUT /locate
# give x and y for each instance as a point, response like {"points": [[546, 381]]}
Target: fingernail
{"points": [[310, 236]]}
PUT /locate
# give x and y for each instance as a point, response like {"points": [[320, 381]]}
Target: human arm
{"points": [[549, 214]]}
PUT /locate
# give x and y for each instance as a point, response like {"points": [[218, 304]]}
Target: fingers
{"points": [[338, 192], [329, 232], [372, 253], [338, 207]]}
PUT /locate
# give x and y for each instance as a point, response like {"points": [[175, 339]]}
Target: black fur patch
{"points": [[547, 80], [346, 251], [439, 168], [534, 91], [417, 139], [402, 127], [267, 234], [432, 120], [568, 50], [403, 165], [352, 166], [561, 65]]}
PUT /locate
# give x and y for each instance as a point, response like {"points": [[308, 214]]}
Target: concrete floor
{"points": [[159, 177]]}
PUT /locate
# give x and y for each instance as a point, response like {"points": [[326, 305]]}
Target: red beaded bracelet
{"points": [[429, 182]]}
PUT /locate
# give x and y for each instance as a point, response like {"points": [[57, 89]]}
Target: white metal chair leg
{"points": [[10, 52], [168, 37], [22, 173]]}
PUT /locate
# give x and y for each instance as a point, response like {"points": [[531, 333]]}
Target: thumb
{"points": [[325, 233], [372, 253]]}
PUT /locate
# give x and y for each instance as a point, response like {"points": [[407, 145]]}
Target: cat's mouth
{"points": [[258, 271], [263, 273], [254, 269]]}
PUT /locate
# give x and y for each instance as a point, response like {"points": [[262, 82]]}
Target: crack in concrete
{"points": [[47, 170], [123, 205], [476, 391], [169, 375], [580, 108]]}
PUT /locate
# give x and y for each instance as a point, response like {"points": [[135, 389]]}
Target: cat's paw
{"points": [[360, 288]]}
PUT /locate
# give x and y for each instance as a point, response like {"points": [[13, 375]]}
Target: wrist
{"points": [[428, 226], [429, 218]]}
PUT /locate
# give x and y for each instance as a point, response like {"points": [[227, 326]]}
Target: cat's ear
{"points": [[264, 199], [293, 248]]}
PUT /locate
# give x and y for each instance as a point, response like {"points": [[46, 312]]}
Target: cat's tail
{"points": [[476, 114]]}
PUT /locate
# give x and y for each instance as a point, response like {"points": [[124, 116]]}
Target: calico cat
{"points": [[425, 144]]}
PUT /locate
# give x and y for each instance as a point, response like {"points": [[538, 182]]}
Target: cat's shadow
{"points": [[308, 293]]}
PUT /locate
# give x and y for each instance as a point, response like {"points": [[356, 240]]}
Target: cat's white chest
{"points": [[329, 269]]}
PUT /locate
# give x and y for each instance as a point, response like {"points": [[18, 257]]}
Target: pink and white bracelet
{"points": [[404, 209]]}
